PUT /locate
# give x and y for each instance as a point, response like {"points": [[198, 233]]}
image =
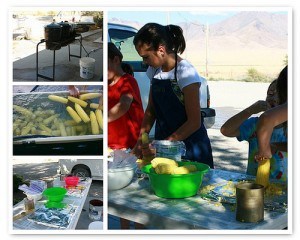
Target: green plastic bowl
{"points": [[55, 194], [177, 185]]}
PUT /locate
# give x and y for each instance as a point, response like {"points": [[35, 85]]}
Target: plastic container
{"points": [[55, 194], [87, 67], [71, 181], [96, 210], [120, 177], [34, 197], [177, 185], [169, 149]]}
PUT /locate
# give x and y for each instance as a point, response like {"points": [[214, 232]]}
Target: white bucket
{"points": [[87, 67]]}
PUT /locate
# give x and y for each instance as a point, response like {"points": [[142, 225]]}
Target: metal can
{"points": [[96, 210]]}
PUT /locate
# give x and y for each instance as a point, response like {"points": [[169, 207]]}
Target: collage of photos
{"points": [[186, 128]]}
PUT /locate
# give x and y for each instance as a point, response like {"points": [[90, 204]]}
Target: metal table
{"points": [[26, 224], [137, 202]]}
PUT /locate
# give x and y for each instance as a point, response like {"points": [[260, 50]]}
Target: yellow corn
{"points": [[158, 160], [263, 173], [79, 128], [184, 169], [50, 119], [94, 124], [94, 105], [99, 117], [73, 114], [22, 110], [71, 122], [73, 129], [58, 99], [82, 114], [33, 130], [145, 138], [55, 133], [163, 168], [79, 101], [45, 128], [89, 96], [62, 129], [26, 129]]}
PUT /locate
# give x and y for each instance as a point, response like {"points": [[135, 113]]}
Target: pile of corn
{"points": [[170, 166], [47, 122]]}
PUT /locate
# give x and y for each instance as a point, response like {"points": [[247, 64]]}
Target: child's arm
{"points": [[267, 121], [231, 128], [120, 108]]}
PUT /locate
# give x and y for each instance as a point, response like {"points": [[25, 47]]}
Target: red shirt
{"points": [[124, 131]]}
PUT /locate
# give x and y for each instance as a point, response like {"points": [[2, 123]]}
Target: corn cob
{"points": [[94, 105], [263, 173], [145, 138], [82, 114], [26, 129], [22, 110], [158, 160], [71, 122], [50, 119], [58, 99], [62, 129], [55, 133], [89, 96], [99, 117], [163, 168], [184, 169], [79, 101], [45, 128], [73, 114], [94, 124]]}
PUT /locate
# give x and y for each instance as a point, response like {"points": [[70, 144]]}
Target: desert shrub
{"points": [[255, 76]]}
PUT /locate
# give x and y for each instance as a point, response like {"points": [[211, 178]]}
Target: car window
{"points": [[124, 41]]}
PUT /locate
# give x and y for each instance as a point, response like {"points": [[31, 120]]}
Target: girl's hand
{"points": [[74, 91], [262, 155], [137, 150], [148, 151]]}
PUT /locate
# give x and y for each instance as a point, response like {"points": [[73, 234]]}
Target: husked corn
{"points": [[58, 99], [99, 117], [62, 129], [94, 105], [22, 110], [50, 119], [158, 160], [94, 124], [78, 101], [163, 168], [86, 96], [263, 173], [184, 169], [73, 114], [82, 114]]}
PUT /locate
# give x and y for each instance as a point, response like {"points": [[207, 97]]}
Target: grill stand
{"points": [[59, 45]]}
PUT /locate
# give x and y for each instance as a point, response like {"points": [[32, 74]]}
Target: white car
{"points": [[122, 36], [82, 167]]}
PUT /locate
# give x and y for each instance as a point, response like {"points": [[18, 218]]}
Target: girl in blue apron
{"points": [[174, 101]]}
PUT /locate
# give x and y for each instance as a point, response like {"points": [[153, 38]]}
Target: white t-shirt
{"points": [[186, 74]]}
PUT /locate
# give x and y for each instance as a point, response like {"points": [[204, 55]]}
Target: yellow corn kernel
{"points": [[163, 168], [82, 114], [58, 99], [184, 169], [145, 138], [99, 117], [73, 114], [94, 105], [94, 124], [263, 172], [62, 129], [89, 96], [78, 101], [158, 160]]}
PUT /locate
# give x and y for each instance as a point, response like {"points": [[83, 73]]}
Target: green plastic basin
{"points": [[55, 194], [177, 185]]}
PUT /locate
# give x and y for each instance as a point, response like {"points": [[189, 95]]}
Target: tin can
{"points": [[249, 202], [96, 210]]}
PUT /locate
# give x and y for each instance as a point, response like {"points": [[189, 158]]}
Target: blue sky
{"points": [[174, 17]]}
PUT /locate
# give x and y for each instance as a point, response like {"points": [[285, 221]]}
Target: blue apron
{"points": [[170, 115]]}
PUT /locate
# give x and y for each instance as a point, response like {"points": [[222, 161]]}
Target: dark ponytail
{"points": [[153, 34]]}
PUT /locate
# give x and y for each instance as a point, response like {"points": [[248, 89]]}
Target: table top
{"points": [[74, 202], [137, 202]]}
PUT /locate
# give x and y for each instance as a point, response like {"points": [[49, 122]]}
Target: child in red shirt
{"points": [[125, 109]]}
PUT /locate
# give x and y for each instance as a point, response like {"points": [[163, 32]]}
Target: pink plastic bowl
{"points": [[71, 181]]}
